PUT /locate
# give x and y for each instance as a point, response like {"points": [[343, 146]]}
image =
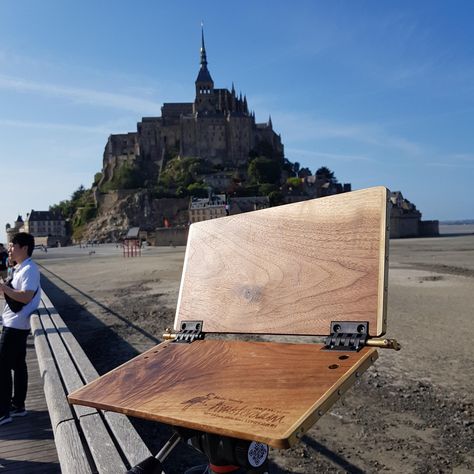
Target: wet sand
{"points": [[411, 412]]}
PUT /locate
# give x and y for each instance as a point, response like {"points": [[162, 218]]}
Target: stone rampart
{"points": [[429, 228], [168, 236]]}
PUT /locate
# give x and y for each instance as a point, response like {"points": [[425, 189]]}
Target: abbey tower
{"points": [[217, 127]]}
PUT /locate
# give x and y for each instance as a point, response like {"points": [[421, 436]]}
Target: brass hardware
{"points": [[168, 335], [384, 343]]}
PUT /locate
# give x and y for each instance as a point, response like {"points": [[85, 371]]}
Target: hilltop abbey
{"points": [[217, 127], [220, 131]]}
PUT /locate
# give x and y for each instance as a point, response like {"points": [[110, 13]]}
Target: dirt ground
{"points": [[413, 411]]}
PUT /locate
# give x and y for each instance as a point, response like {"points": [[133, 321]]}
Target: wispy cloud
{"points": [[81, 95], [454, 160], [446, 164], [102, 130], [408, 73], [302, 127], [469, 157], [308, 154]]}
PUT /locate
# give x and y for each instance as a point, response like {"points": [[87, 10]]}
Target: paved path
{"points": [[27, 444]]}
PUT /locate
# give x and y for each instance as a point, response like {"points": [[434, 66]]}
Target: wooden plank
{"points": [[70, 451], [129, 441], [103, 450], [20, 445], [85, 368], [14, 451], [268, 392], [59, 409], [27, 444], [289, 269], [100, 444], [67, 369]]}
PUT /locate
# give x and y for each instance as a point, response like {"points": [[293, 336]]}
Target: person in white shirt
{"points": [[22, 295]]}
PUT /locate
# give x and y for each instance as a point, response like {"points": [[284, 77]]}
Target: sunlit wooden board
{"points": [[290, 269], [262, 391]]}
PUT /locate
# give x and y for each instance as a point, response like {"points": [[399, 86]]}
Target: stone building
{"points": [[45, 223], [237, 205], [207, 208], [48, 228], [217, 126], [316, 186], [405, 219], [12, 230]]}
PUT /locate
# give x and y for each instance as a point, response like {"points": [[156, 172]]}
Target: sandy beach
{"points": [[413, 411]]}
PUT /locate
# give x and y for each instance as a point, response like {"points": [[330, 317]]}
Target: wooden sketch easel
{"points": [[316, 267]]}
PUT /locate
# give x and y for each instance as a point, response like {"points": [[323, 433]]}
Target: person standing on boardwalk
{"points": [[22, 295]]}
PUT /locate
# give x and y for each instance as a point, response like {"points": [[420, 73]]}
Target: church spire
{"points": [[204, 77], [205, 100], [203, 48]]}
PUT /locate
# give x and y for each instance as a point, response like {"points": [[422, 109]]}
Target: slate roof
{"points": [[36, 216]]}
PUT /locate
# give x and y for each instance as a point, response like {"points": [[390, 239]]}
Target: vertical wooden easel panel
{"points": [[290, 269]]}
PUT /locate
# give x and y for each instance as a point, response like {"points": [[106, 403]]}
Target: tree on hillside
{"points": [[182, 172], [78, 193], [293, 182], [296, 168], [264, 149], [264, 170], [81, 197], [304, 172], [327, 174], [198, 190], [78, 210]]}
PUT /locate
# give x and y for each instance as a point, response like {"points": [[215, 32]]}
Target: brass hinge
{"points": [[354, 335], [347, 335], [190, 331]]}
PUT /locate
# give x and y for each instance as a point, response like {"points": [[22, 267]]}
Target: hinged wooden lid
{"points": [[290, 269]]}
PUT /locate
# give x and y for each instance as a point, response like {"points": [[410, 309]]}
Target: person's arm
{"points": [[23, 296]]}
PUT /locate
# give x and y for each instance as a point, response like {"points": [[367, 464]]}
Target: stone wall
{"points": [[52, 241], [404, 226], [165, 237], [429, 228]]}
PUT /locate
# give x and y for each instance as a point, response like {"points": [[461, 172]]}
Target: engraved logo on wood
{"points": [[231, 409]]}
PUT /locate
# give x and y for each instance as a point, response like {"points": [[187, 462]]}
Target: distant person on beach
{"points": [[10, 267], [3, 262], [22, 295]]}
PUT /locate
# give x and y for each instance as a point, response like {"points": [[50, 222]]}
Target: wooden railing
{"points": [[87, 440]]}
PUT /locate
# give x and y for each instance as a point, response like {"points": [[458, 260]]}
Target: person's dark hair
{"points": [[24, 239]]}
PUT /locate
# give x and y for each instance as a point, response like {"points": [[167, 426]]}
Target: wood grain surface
{"points": [[268, 392], [290, 269]]}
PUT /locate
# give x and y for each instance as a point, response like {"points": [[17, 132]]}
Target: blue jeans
{"points": [[13, 358]]}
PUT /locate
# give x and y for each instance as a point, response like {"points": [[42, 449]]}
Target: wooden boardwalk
{"points": [[27, 444]]}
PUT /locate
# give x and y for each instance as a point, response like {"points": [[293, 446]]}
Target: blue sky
{"points": [[382, 93]]}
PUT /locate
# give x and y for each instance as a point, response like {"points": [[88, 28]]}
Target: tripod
{"points": [[225, 455]]}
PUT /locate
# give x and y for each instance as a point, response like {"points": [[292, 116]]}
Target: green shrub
{"points": [[266, 188], [294, 182]]}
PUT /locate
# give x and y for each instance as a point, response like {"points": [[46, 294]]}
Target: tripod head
{"points": [[230, 454], [226, 455]]}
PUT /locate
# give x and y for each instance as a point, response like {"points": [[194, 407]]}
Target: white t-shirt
{"points": [[25, 277]]}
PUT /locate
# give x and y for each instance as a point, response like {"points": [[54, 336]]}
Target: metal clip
{"points": [[347, 335], [190, 331]]}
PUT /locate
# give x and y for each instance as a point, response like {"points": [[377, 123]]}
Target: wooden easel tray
{"points": [[285, 270], [261, 391]]}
